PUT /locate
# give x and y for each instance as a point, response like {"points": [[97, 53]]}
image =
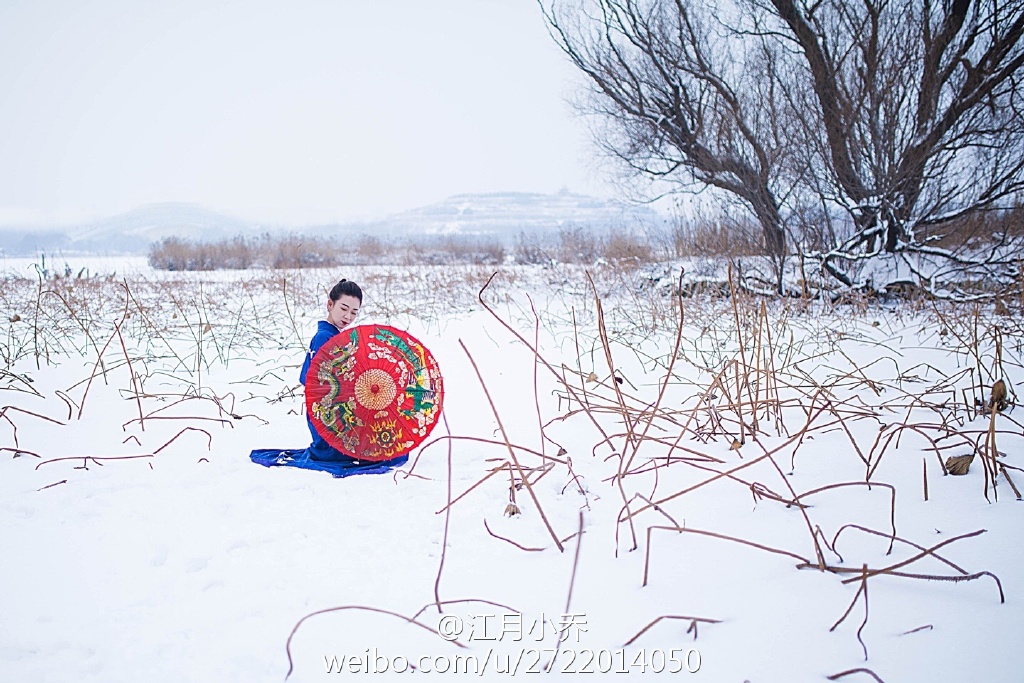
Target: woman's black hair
{"points": [[346, 288]]}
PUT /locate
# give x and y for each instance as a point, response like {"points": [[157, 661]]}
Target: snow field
{"points": [[185, 561]]}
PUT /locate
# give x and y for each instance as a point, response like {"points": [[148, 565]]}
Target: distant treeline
{"points": [[303, 251], [573, 244]]}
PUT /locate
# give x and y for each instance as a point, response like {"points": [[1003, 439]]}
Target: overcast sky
{"points": [[280, 112]]}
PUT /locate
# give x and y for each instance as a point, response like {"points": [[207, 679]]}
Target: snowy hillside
{"points": [[506, 214]]}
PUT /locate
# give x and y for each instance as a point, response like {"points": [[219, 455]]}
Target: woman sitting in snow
{"points": [[343, 303]]}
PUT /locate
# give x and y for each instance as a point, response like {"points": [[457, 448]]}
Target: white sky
{"points": [[285, 112]]}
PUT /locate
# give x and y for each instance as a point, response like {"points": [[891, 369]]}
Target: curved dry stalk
{"points": [[862, 590], [624, 466], [890, 435], [94, 458], [724, 537], [759, 489], [892, 506], [18, 451], [924, 553], [21, 380], [209, 438], [288, 310], [14, 427], [1002, 468], [842, 423], [568, 598], [511, 451], [510, 541], [901, 540], [515, 333], [142, 312], [802, 509], [510, 610], [74, 316], [704, 399], [575, 565], [693, 622], [447, 520], [5, 409], [491, 442], [739, 336], [505, 466], [908, 575], [726, 473], [669, 459], [92, 375], [131, 373], [850, 672], [536, 394], [661, 501], [181, 417], [658, 509], [67, 401], [630, 437], [410, 620]]}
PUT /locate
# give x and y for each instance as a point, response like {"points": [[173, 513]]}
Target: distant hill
{"points": [[128, 233], [151, 223], [501, 214], [506, 214]]}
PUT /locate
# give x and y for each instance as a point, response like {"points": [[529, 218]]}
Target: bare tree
{"points": [[892, 117], [683, 97], [914, 111]]}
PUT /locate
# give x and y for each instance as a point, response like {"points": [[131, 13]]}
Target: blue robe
{"points": [[320, 455], [319, 449]]}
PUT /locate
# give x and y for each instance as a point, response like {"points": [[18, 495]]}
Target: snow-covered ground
{"points": [[710, 481]]}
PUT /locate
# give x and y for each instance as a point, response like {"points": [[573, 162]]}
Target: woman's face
{"points": [[342, 312]]}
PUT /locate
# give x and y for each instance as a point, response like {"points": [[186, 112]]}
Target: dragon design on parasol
{"points": [[379, 392]]}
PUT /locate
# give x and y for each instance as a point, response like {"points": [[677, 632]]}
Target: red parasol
{"points": [[373, 392]]}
